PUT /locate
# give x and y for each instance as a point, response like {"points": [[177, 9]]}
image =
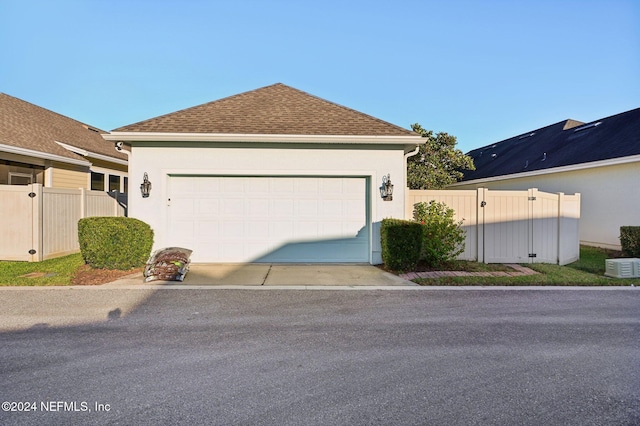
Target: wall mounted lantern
{"points": [[145, 186], [386, 190]]}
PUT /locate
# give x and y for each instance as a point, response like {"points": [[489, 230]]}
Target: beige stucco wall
{"points": [[610, 198]]}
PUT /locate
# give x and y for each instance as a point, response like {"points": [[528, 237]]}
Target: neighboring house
{"points": [[40, 146], [270, 175], [600, 160]]}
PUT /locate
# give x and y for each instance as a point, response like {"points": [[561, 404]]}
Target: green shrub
{"points": [[442, 237], [114, 242], [630, 240], [400, 240]]}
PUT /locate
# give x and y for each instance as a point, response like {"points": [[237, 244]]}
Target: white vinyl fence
{"points": [[41, 223], [511, 226]]}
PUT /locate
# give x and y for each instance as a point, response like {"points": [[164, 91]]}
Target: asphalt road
{"points": [[242, 357]]}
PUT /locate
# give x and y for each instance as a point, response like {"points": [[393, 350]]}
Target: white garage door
{"points": [[269, 219]]}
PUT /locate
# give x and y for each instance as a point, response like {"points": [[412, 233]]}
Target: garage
{"points": [[270, 175], [270, 218]]}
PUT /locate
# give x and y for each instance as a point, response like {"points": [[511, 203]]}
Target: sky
{"points": [[483, 71]]}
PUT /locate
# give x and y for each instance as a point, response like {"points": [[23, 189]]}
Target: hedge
{"points": [[114, 242], [630, 240], [401, 242]]}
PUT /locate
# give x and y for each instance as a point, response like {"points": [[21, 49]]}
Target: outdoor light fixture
{"points": [[386, 190], [145, 186]]}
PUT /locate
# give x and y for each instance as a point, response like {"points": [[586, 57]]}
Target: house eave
{"points": [[42, 155], [95, 155], [571, 168], [408, 140]]}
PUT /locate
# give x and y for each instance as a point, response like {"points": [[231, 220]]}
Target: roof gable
{"points": [[566, 143], [28, 126], [272, 110]]}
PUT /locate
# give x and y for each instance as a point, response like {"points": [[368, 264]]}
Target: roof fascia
{"points": [[95, 155], [42, 155], [571, 168], [237, 137]]}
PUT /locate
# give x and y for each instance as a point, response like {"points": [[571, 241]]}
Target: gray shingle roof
{"points": [[566, 143], [29, 126], [272, 110]]}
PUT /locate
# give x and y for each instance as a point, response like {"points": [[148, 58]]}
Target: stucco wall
{"points": [[163, 160], [610, 198]]}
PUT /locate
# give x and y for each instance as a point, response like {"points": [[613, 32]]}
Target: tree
{"points": [[438, 163]]}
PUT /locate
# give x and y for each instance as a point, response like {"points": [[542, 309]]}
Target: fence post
{"points": [[37, 223], [560, 227], [480, 203], [83, 203]]}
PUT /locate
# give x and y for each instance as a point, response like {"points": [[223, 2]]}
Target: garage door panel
{"points": [[232, 207], [310, 187], [270, 219], [307, 208], [282, 208], [208, 206], [256, 207], [282, 185]]}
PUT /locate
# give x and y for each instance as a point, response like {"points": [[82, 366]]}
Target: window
{"points": [[14, 173], [20, 178], [114, 183], [126, 184], [97, 181]]}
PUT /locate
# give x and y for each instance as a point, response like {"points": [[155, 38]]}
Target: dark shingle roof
{"points": [[272, 110], [565, 143], [29, 126]]}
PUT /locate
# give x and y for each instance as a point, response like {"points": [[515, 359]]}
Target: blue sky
{"points": [[480, 70]]}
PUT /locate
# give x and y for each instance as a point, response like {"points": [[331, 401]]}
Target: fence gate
{"points": [[18, 237], [505, 216], [520, 226]]}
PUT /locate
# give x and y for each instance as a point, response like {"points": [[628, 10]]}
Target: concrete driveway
{"points": [[264, 274]]}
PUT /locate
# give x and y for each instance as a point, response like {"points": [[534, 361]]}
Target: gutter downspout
{"points": [[406, 157]]}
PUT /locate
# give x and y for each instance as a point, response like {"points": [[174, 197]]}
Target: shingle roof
{"points": [[272, 110], [29, 126], [565, 143]]}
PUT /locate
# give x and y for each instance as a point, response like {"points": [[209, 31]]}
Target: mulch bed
{"points": [[86, 275]]}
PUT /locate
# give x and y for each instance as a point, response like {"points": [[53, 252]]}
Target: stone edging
{"points": [[519, 272]]}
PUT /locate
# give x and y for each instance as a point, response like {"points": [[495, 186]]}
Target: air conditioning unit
{"points": [[623, 268]]}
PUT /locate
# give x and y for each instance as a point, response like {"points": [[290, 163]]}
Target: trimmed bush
{"points": [[400, 240], [630, 240], [114, 242], [442, 237]]}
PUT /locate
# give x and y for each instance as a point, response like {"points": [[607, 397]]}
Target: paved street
{"points": [[325, 357]]}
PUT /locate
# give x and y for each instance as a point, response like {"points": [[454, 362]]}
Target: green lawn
{"points": [[58, 271], [588, 271]]}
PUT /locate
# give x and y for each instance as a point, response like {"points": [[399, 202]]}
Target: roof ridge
{"points": [[285, 103]]}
